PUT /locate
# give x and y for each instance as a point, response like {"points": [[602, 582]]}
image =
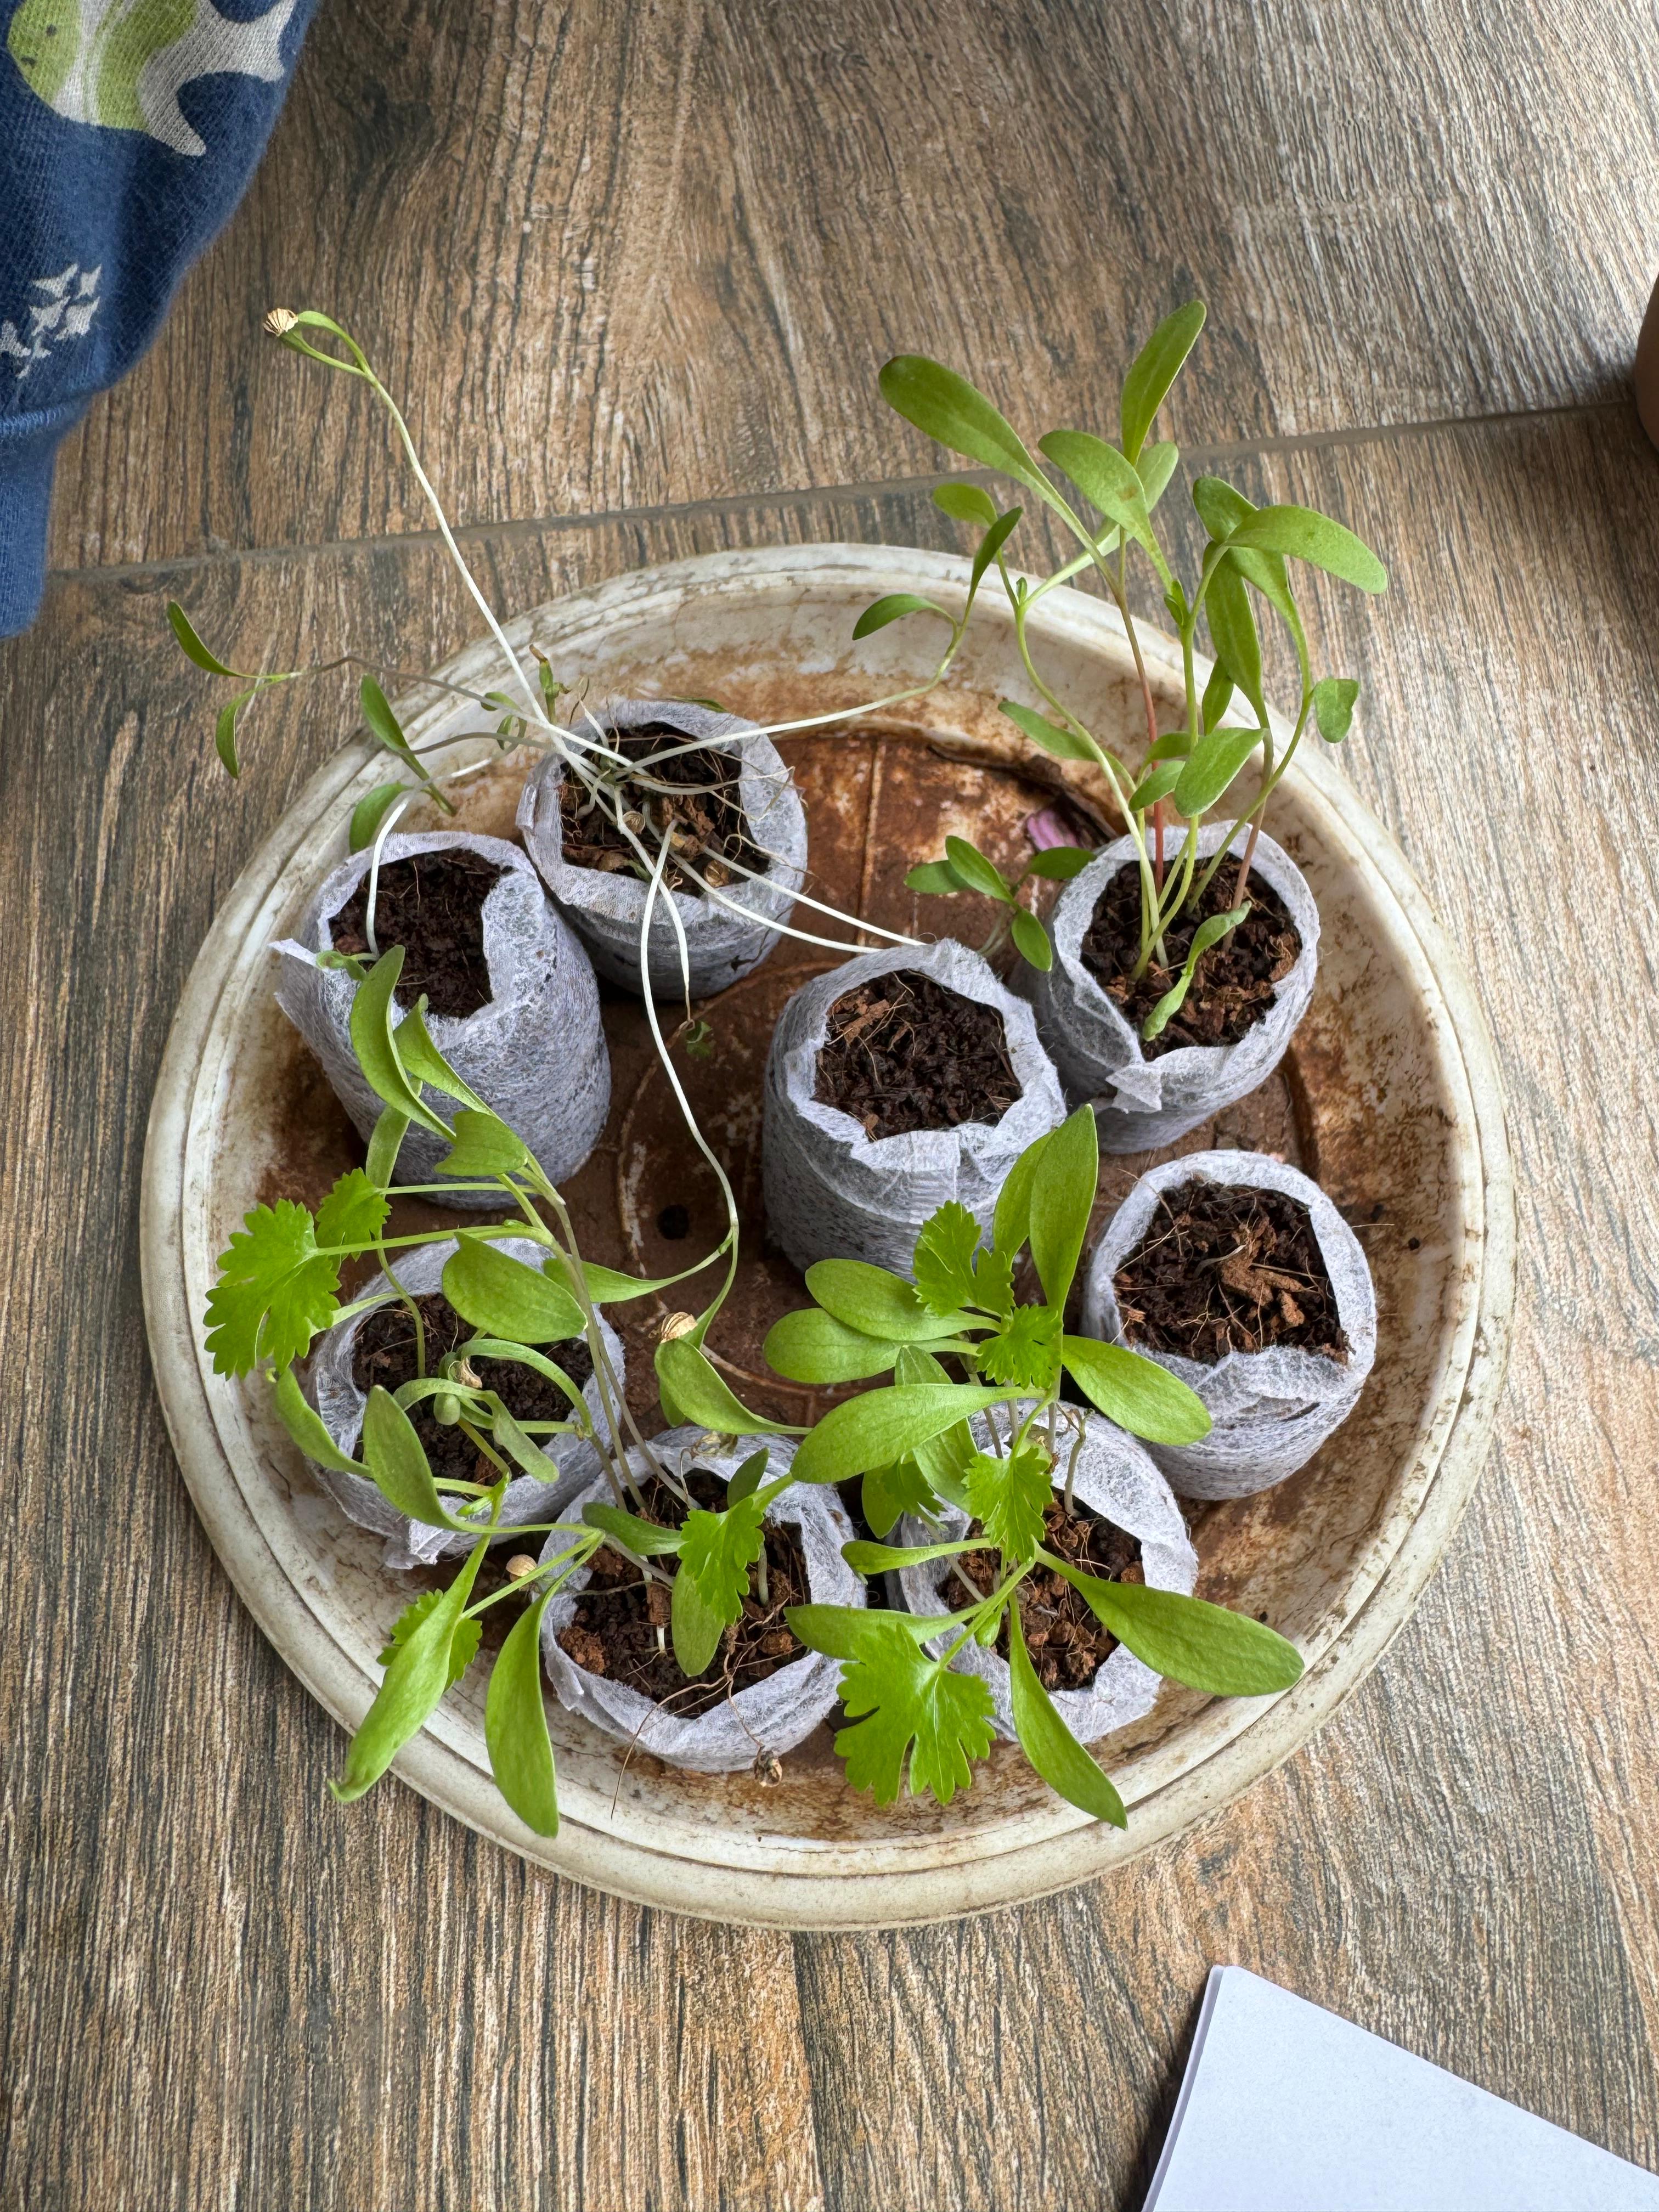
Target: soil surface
{"points": [[1233, 986], [1226, 1267], [1065, 1640], [703, 815], [904, 1053], [383, 1351], [432, 904], [614, 1630]]}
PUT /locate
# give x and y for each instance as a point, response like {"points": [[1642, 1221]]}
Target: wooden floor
{"points": [[634, 268]]}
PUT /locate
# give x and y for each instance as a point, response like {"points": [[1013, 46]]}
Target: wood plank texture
{"points": [[649, 257], [624, 257]]}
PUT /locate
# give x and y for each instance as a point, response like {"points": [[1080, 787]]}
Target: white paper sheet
{"points": [[1287, 2108]]}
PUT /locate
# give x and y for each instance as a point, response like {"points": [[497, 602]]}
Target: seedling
{"points": [[1189, 771], [911, 1441]]}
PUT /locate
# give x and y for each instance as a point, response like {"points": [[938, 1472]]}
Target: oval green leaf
{"points": [[1153, 370], [515, 1726], [369, 813], [702, 1394], [1031, 940], [504, 1297], [936, 878], [966, 503], [1208, 1647], [1214, 763], [191, 645], [1135, 1392], [1303, 533], [1064, 1764], [976, 871], [881, 1427], [880, 612], [1333, 698], [1058, 863], [812, 1347], [946, 407], [418, 1675], [1232, 627], [877, 1302], [398, 1465], [1062, 1192], [1064, 744]]}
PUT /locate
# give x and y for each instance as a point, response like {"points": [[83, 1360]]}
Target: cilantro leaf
{"points": [[1025, 1351], [718, 1549], [354, 1212], [912, 1707], [274, 1293], [463, 1645], [1006, 1496], [951, 1271]]}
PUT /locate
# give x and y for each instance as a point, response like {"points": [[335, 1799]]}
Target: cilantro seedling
{"points": [[1189, 771], [912, 1442]]}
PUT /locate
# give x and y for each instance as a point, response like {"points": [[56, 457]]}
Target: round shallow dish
{"points": [[1388, 1097]]}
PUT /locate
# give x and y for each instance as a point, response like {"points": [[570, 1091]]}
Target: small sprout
{"points": [[520, 1565]]}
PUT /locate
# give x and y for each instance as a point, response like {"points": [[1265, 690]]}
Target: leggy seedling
{"points": [[912, 1443], [1189, 770]]}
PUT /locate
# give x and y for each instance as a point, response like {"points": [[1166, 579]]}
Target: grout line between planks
{"points": [[531, 526]]}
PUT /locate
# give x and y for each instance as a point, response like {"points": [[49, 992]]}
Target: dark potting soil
{"points": [[1233, 986], [1226, 1267], [432, 904], [383, 1351], [904, 1053], [704, 817], [1065, 1640], [613, 1632]]}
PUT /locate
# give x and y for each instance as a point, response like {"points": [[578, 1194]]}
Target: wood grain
{"points": [[655, 255], [267, 2000]]}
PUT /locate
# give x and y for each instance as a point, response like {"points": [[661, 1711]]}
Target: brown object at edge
{"points": [[1647, 370]]}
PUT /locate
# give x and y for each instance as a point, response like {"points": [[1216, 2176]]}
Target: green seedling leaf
{"points": [[976, 871], [951, 1271], [275, 1292], [813, 1346], [353, 1214], [914, 1709], [1173, 744], [1135, 1392], [699, 1039], [606, 1287], [417, 1677], [1064, 744], [1158, 783], [306, 1425], [372, 1042], [1025, 1352], [749, 1476], [381, 1165], [1058, 863], [940, 1459], [1011, 1225], [423, 1062], [1062, 1192], [965, 503], [483, 1146], [1155, 467], [1232, 628], [1007, 1497], [879, 1303], [1304, 534], [646, 1540], [1333, 698], [937, 877], [1217, 693], [880, 612], [702, 1394], [845, 1632], [1220, 508], [1209, 932], [384, 724], [1208, 1647], [224, 732], [1216, 760], [515, 1725], [370, 812], [990, 545], [1064, 1764], [1031, 940], [1108, 481], [1153, 370], [397, 1464], [882, 1426], [191, 645], [505, 1296], [694, 1626], [463, 1645], [877, 1558], [891, 1490], [946, 407], [717, 1550]]}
